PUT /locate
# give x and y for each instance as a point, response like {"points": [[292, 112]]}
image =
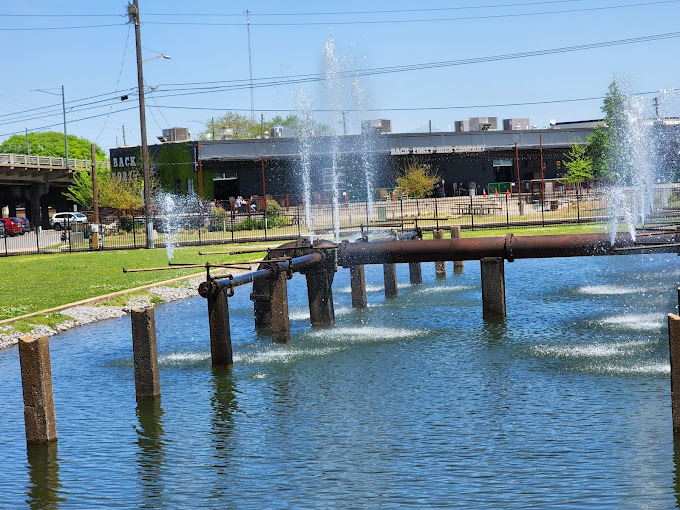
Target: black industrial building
{"points": [[235, 167]]}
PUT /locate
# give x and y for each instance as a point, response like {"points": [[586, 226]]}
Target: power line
{"points": [[419, 20], [16, 29]]}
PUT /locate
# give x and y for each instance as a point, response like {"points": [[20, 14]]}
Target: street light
{"points": [[63, 110], [157, 56]]}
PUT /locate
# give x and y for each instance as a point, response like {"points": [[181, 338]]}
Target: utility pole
{"points": [[212, 121], [430, 126], [262, 125], [344, 124], [250, 67], [63, 109], [133, 15], [124, 142], [28, 147]]}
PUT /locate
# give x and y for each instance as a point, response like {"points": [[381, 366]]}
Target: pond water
{"points": [[414, 401]]}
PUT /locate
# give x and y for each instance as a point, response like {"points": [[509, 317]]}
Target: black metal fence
{"points": [[219, 225]]}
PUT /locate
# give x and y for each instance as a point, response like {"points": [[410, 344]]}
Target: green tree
{"points": [[418, 180], [606, 141], [578, 163], [80, 191], [120, 195], [246, 127], [51, 144]]}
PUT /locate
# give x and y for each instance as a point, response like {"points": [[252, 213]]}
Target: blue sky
{"points": [[208, 42]]}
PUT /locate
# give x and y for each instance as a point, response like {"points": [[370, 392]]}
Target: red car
{"points": [[13, 226]]}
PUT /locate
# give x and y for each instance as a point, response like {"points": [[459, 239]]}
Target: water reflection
{"points": [[45, 490], [224, 404], [150, 453], [495, 331], [676, 470]]}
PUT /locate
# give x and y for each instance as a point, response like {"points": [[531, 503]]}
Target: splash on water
{"points": [[177, 213]]}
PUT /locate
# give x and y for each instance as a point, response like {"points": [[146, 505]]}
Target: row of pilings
{"points": [[318, 262]]}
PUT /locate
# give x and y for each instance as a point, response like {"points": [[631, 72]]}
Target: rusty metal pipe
{"points": [[509, 247]]}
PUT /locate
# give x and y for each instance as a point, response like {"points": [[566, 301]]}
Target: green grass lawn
{"points": [[32, 283]]}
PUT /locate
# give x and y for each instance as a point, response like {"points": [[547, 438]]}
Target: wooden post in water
{"points": [[36, 380], [390, 274], [220, 334], [415, 273], [147, 380], [320, 295], [674, 348], [457, 264], [280, 320], [493, 287], [262, 303], [357, 279], [439, 267]]}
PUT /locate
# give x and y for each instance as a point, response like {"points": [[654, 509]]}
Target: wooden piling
{"points": [[457, 264], [390, 274], [320, 295], [147, 380], [36, 380], [220, 334], [357, 278], [415, 273], [262, 303], [280, 321], [440, 266], [674, 349], [493, 287]]}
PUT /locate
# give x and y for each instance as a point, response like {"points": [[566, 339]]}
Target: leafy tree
{"points": [[578, 163], [606, 141], [246, 127], [119, 195], [51, 144], [418, 180], [81, 190]]}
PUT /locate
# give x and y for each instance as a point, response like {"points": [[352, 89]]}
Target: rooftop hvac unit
{"points": [[378, 126], [483, 123], [226, 133], [277, 132], [176, 134]]}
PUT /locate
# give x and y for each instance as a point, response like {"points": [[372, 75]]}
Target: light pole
{"points": [[133, 16], [63, 110]]}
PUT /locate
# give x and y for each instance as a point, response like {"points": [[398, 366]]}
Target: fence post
{"points": [[38, 230], [70, 246], [232, 228], [472, 216], [436, 212], [401, 209], [542, 207], [578, 209], [134, 233], [6, 254], [507, 212], [297, 212]]}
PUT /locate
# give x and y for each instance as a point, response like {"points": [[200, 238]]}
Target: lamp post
{"points": [[63, 111]]}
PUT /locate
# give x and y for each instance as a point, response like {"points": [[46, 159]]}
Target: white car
{"points": [[64, 219]]}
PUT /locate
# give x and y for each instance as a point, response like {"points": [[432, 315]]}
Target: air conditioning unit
{"points": [[176, 134]]}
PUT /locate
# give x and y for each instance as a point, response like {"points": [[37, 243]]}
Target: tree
{"points": [[51, 144], [606, 141], [119, 195], [418, 180], [578, 163], [246, 127]]}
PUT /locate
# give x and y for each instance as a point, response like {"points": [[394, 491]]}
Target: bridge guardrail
{"points": [[48, 162]]}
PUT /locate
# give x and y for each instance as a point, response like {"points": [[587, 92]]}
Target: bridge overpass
{"points": [[37, 183]]}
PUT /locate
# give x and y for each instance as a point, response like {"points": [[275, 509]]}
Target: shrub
{"points": [[273, 208], [218, 219], [125, 223]]}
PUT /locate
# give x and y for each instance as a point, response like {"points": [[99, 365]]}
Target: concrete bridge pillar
{"points": [[390, 275], [493, 287], [357, 278]]}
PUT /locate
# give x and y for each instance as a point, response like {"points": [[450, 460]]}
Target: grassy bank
{"points": [[32, 283]]}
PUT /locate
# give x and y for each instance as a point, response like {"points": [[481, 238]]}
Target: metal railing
{"points": [[220, 225], [48, 162]]}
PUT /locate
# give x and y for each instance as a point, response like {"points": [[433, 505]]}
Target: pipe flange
{"points": [[507, 248]]}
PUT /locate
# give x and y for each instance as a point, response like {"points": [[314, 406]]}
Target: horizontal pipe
{"points": [[509, 247]]}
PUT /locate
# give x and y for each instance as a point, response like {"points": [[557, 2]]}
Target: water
{"points": [[415, 401], [176, 212]]}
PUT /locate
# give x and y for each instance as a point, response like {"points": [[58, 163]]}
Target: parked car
{"points": [[12, 226], [69, 219], [2, 230], [25, 224]]}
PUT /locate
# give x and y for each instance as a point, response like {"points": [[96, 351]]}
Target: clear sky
{"points": [[208, 42]]}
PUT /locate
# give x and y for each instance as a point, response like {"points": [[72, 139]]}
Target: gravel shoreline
{"points": [[81, 315]]}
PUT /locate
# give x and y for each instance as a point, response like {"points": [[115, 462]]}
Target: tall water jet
{"points": [[367, 143], [305, 133], [176, 212]]}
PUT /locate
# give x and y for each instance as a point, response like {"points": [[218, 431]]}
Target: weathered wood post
{"points": [[36, 380], [320, 295], [145, 355], [390, 276], [415, 273], [440, 266], [357, 280], [220, 334], [493, 287], [262, 303], [674, 349], [280, 320], [457, 264]]}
